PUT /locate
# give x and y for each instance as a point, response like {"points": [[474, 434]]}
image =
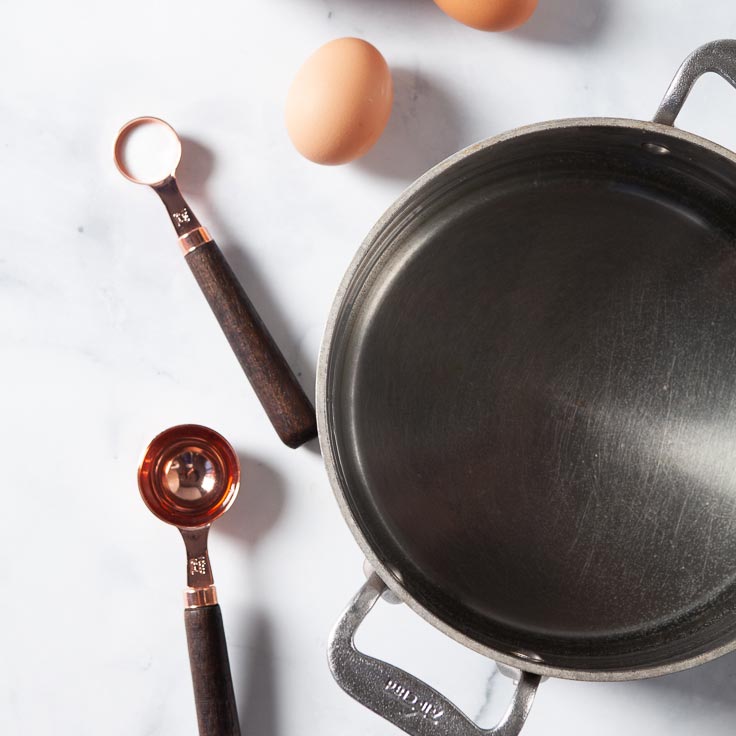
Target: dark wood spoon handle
{"points": [[214, 698], [275, 384]]}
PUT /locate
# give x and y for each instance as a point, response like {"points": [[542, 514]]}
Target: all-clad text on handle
{"points": [[401, 698]]}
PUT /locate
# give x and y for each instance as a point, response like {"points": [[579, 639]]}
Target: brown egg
{"points": [[339, 102], [489, 15]]}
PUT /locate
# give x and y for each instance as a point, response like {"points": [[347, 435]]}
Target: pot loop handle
{"points": [[716, 56], [401, 698]]}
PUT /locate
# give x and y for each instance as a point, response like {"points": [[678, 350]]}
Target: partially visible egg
{"points": [[489, 15], [339, 102]]}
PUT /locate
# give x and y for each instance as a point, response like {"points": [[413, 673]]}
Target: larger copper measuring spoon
{"points": [[148, 151], [189, 476]]}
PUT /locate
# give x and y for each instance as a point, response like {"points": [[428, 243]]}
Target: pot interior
{"points": [[531, 399]]}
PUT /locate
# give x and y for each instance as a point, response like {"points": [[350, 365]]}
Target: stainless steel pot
{"points": [[527, 407]]}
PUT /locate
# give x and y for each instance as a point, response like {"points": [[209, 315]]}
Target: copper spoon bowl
{"points": [[189, 476]]}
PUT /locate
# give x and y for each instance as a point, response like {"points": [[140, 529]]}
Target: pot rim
{"points": [[329, 452]]}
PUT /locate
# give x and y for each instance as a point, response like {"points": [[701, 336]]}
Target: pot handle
{"points": [[401, 698], [716, 56]]}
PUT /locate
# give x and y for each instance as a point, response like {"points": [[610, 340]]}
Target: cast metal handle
{"points": [[400, 697], [717, 56], [213, 686]]}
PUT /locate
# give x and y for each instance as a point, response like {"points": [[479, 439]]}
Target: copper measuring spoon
{"points": [[290, 411], [188, 477]]}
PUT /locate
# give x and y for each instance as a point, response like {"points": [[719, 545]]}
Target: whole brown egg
{"points": [[489, 15], [339, 102]]}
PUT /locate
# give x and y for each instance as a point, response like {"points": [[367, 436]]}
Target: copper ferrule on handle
{"points": [[192, 240], [200, 597]]}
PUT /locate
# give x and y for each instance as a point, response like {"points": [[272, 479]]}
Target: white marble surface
{"points": [[106, 340]]}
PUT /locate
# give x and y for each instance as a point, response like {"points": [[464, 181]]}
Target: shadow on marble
{"points": [[313, 447], [566, 22], [197, 164], [714, 681], [258, 706], [259, 504], [195, 168], [425, 127], [419, 8]]}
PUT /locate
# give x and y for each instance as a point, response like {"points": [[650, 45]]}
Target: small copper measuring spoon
{"points": [[287, 406], [188, 477]]}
